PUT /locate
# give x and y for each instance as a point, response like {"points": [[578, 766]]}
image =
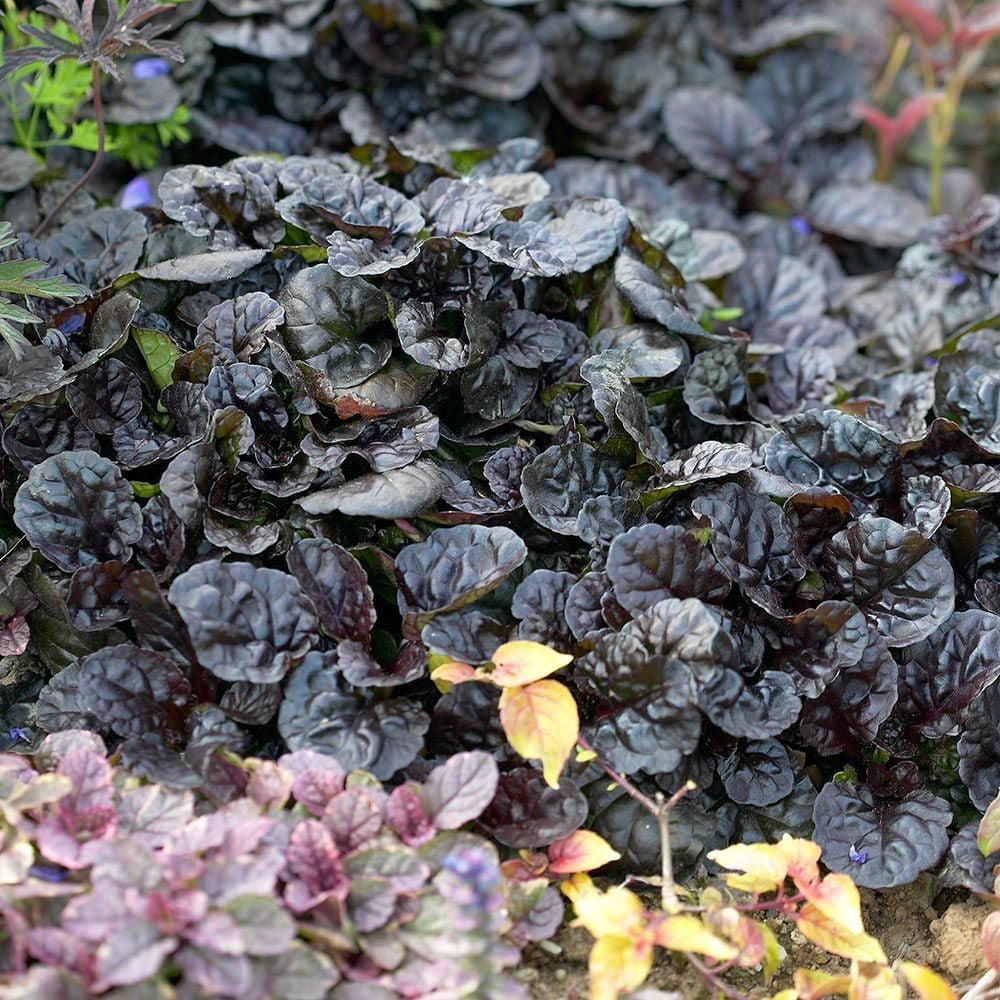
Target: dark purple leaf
{"points": [[526, 812], [134, 691], [901, 837], [901, 580], [76, 509], [337, 586], [246, 623]]}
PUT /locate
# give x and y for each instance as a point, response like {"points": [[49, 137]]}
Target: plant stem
{"points": [[894, 64], [668, 891], [714, 982], [660, 807], [619, 779], [95, 76], [982, 986]]}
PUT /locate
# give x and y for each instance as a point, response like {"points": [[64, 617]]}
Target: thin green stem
{"points": [[897, 57]]}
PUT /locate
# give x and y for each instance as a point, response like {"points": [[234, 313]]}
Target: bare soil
{"points": [[941, 931]]}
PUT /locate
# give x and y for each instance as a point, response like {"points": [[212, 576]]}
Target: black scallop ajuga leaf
{"points": [[704, 405]]}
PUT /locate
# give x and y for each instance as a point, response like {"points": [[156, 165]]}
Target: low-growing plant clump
{"points": [[577, 423]]}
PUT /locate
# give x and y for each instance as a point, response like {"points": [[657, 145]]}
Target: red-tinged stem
{"points": [[781, 904], [710, 976], [95, 76], [619, 779]]}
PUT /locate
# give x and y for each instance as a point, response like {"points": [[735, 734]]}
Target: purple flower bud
{"points": [[146, 69], [137, 194], [956, 278], [17, 734], [800, 225], [858, 857]]}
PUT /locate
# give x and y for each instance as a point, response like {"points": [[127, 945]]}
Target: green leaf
{"points": [[15, 340], [10, 311], [160, 353]]}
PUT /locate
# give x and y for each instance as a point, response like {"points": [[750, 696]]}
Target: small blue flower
{"points": [[800, 225], [138, 193], [858, 857], [956, 278], [49, 873], [475, 867], [17, 734], [73, 323], [146, 69]]}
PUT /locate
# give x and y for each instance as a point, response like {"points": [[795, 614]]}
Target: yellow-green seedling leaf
{"points": [[618, 965], [764, 866], [585, 756], [521, 662], [871, 981], [582, 851], [446, 675], [836, 938], [811, 984], [614, 913], [773, 954], [838, 897], [741, 931], [43, 790], [684, 932], [159, 352], [789, 994], [541, 723], [990, 938], [15, 862], [710, 898], [988, 836], [926, 983]]}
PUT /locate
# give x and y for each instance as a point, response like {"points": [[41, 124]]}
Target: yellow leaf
{"points": [[582, 851], [988, 834], [541, 722], [927, 984], [801, 857], [742, 931], [618, 965], [873, 982], [837, 896], [447, 675], [784, 995], [521, 662], [764, 865], [585, 756], [683, 932], [811, 984], [604, 914], [836, 938]]}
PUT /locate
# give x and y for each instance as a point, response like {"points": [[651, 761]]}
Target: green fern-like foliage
{"points": [[17, 277]]}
